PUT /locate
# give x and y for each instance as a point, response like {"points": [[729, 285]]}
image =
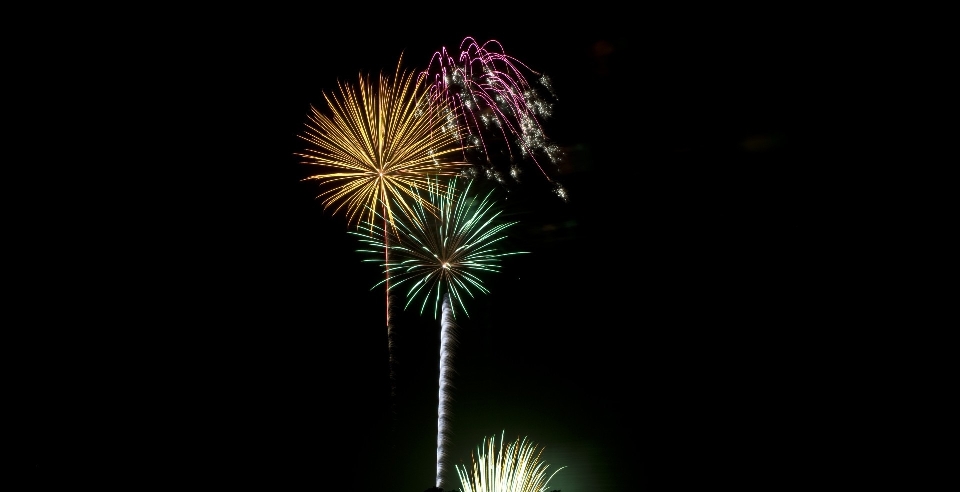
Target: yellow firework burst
{"points": [[379, 142], [514, 468]]}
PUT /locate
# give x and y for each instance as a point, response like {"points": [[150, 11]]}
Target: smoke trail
{"points": [[447, 343]]}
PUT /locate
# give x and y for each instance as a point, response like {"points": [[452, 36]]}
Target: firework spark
{"points": [[496, 104], [446, 252], [516, 468]]}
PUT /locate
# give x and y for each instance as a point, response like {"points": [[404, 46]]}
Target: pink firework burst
{"points": [[501, 102]]}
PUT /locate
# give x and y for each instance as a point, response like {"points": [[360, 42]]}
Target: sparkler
{"points": [[378, 145], [515, 469], [497, 106]]}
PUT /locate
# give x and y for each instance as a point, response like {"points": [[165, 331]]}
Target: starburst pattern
{"points": [[446, 252], [380, 142], [516, 468]]}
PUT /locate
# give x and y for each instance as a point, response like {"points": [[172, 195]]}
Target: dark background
{"points": [[666, 330]]}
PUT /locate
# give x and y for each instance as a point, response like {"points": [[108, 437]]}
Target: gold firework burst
{"points": [[378, 143]]}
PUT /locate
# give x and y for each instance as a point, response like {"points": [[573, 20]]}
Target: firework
{"points": [[516, 468], [378, 144], [499, 103], [441, 256], [446, 252]]}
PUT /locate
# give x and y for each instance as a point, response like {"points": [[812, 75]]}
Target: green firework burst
{"points": [[447, 248]]}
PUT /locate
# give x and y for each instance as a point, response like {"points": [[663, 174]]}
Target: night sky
{"points": [[662, 333]]}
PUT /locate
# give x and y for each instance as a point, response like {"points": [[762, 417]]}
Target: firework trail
{"points": [[441, 257], [448, 342], [497, 106], [379, 144], [515, 469]]}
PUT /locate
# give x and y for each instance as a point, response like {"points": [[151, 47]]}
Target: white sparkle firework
{"points": [[516, 468]]}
